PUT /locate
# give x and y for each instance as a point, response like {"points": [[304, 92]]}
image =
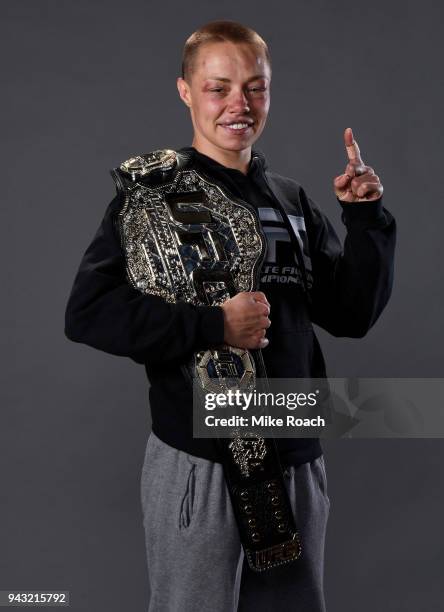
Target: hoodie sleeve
{"points": [[106, 312], [351, 283]]}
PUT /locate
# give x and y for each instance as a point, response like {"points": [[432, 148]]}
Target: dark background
{"points": [[88, 84]]}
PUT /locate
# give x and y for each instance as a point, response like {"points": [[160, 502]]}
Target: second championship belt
{"points": [[186, 239]]}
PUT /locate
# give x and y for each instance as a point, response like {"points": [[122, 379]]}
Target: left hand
{"points": [[359, 183]]}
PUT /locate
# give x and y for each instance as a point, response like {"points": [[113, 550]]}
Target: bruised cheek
{"points": [[213, 105], [208, 110], [215, 111], [262, 104]]}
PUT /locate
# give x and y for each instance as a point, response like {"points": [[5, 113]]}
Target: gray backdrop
{"points": [[87, 84]]}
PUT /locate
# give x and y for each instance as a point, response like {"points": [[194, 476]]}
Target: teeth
{"points": [[237, 126]]}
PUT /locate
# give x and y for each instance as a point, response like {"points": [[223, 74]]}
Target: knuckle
{"points": [[264, 310]]}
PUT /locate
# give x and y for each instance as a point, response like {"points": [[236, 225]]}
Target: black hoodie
{"points": [[307, 277]]}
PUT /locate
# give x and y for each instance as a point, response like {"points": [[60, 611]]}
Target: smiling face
{"points": [[229, 99]]}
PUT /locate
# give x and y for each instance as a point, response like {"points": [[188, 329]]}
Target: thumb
{"points": [[341, 181], [258, 296]]}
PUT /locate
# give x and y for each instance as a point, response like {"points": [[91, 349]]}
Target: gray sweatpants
{"points": [[195, 559]]}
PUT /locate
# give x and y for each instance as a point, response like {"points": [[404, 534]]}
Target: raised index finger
{"points": [[351, 146]]}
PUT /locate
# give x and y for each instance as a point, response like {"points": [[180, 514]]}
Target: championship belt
{"points": [[186, 239]]}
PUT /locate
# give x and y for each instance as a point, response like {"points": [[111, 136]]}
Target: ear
{"points": [[184, 91]]}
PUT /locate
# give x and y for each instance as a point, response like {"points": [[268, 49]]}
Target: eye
{"points": [[217, 89], [257, 88]]}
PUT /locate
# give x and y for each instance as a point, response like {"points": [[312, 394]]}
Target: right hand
{"points": [[246, 319]]}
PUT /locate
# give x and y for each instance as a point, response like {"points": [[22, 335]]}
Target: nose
{"points": [[239, 102]]}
